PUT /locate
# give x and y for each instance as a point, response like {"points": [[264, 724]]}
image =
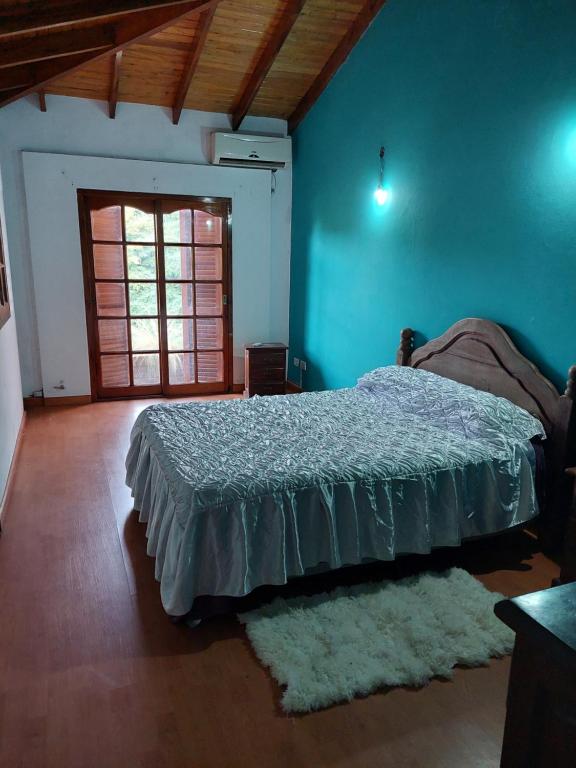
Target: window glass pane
{"points": [[210, 367], [209, 298], [209, 333], [113, 335], [180, 334], [139, 225], [107, 223], [108, 262], [177, 263], [146, 370], [110, 299], [177, 226], [179, 298], [181, 368], [208, 263], [207, 228], [141, 261], [143, 299], [144, 334], [115, 370]]}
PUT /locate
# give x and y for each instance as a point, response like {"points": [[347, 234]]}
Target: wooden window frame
{"points": [[4, 292], [163, 389]]}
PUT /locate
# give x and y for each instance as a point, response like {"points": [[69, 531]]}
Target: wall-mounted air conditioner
{"points": [[239, 149]]}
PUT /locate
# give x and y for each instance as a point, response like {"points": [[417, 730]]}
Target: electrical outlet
{"points": [[302, 365], [297, 362]]}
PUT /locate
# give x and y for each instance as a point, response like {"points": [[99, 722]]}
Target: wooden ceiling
{"points": [[270, 58]]}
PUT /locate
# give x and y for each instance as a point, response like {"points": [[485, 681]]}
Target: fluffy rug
{"points": [[332, 647]]}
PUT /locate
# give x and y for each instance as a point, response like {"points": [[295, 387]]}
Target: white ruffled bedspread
{"points": [[237, 494]]}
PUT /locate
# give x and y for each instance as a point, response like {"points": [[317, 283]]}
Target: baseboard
{"points": [[40, 402], [72, 400], [33, 402], [238, 389], [11, 471]]}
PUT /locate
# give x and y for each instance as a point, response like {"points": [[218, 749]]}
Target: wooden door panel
{"points": [[157, 284]]}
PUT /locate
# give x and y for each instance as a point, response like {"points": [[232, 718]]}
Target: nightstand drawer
{"points": [[266, 388], [267, 359], [256, 373], [265, 369]]}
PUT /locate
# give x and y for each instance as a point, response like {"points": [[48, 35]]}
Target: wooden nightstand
{"points": [[540, 727], [568, 569], [265, 369]]}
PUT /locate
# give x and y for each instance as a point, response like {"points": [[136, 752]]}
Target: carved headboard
{"points": [[481, 354]]}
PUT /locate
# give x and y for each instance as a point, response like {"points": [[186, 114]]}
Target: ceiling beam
{"points": [[129, 30], [55, 44], [338, 57], [17, 78], [17, 17], [197, 46], [114, 84], [32, 76], [266, 60]]}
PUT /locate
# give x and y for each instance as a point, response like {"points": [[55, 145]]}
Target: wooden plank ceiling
{"points": [[269, 58]]}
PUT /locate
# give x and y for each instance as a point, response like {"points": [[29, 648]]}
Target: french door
{"points": [[157, 283]]}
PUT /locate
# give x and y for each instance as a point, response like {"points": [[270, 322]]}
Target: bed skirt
{"points": [[231, 549]]}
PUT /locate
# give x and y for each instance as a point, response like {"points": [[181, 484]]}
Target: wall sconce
{"points": [[381, 194]]}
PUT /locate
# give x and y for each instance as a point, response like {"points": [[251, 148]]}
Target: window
{"points": [[4, 298], [157, 284]]}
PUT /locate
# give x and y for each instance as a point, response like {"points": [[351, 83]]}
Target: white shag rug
{"points": [[329, 648]]}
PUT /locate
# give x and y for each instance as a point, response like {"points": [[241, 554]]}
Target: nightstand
{"points": [[540, 727], [265, 369], [568, 570]]}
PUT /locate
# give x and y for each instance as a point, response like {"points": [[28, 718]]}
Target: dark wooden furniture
{"points": [[265, 369], [568, 569], [481, 354], [540, 727]]}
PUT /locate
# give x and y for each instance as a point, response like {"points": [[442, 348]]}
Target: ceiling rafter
{"points": [[340, 54], [204, 22], [32, 76], [17, 17], [213, 78], [266, 60], [114, 84], [52, 45], [17, 81]]}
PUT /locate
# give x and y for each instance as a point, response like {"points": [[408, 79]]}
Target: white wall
{"points": [[82, 127], [52, 182], [10, 387]]}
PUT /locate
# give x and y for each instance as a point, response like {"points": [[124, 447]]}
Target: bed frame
{"points": [[481, 354]]}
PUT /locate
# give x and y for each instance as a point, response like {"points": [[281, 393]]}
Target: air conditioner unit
{"points": [[240, 149]]}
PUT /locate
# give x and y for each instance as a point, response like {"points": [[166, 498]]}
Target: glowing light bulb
{"points": [[381, 195]]}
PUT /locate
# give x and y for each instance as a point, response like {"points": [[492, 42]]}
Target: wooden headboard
{"points": [[481, 354]]}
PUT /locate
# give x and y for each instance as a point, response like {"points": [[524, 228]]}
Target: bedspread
{"points": [[241, 493]]}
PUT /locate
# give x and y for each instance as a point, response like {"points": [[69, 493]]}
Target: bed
{"points": [[438, 449]]}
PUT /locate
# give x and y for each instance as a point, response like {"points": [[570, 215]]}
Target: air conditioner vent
{"points": [[245, 151]]}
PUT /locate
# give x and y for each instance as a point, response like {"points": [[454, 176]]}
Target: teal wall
{"points": [[475, 101]]}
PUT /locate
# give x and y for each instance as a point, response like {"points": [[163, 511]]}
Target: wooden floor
{"points": [[93, 674]]}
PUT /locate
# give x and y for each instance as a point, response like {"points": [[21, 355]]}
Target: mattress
{"points": [[241, 493]]}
